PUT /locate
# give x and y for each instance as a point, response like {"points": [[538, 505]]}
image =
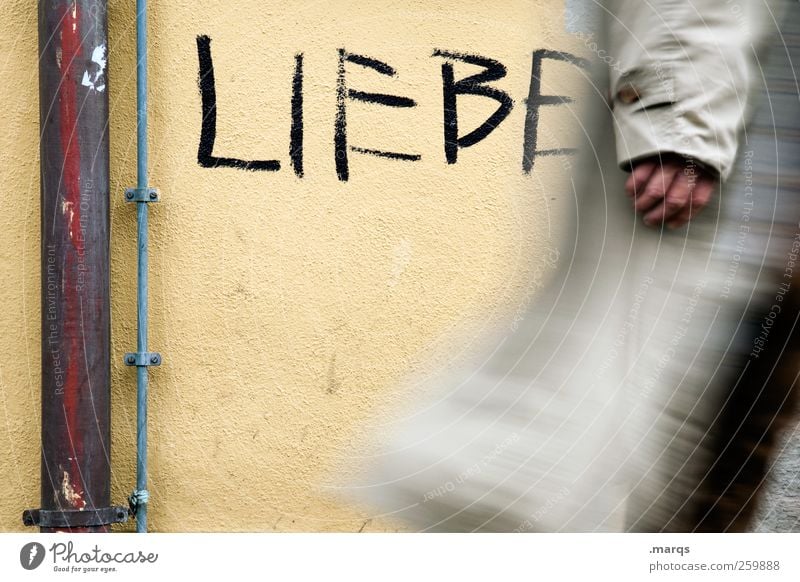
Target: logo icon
{"points": [[31, 555]]}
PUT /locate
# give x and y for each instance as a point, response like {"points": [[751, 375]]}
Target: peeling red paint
{"points": [[71, 176], [74, 157]]}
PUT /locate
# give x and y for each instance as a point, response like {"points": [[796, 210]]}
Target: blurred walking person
{"points": [[600, 411]]}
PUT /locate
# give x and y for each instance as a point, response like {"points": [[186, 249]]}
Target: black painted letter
{"points": [[296, 137], [341, 149], [536, 100], [472, 85], [208, 134]]}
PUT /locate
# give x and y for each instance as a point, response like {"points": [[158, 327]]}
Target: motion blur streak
{"points": [[639, 391]]}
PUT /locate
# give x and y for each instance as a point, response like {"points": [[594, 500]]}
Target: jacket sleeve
{"points": [[683, 76]]}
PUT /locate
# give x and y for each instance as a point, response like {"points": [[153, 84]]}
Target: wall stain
{"points": [[333, 383]]}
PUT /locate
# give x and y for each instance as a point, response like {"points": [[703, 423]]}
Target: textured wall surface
{"points": [[288, 310]]}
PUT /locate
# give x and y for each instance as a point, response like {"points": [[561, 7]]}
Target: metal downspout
{"points": [[75, 315]]}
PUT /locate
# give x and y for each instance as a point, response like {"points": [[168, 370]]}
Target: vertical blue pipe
{"points": [[141, 224]]}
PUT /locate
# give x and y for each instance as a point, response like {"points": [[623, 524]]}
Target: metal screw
{"points": [[153, 195], [154, 360], [128, 195], [131, 359]]}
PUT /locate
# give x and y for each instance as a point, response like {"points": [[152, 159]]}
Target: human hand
{"points": [[669, 189]]}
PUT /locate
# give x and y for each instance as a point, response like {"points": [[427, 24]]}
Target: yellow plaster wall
{"points": [[287, 310]]}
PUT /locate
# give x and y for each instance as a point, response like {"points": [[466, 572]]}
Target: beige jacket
{"points": [[591, 411], [682, 75]]}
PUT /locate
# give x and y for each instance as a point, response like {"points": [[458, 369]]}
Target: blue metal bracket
{"points": [[141, 195], [143, 359]]}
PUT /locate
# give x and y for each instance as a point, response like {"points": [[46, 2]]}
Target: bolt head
{"points": [[153, 195], [128, 195], [131, 359], [154, 360]]}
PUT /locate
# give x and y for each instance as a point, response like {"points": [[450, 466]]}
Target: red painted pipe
{"points": [[75, 258]]}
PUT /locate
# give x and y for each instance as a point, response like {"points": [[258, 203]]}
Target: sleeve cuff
{"points": [[656, 110]]}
